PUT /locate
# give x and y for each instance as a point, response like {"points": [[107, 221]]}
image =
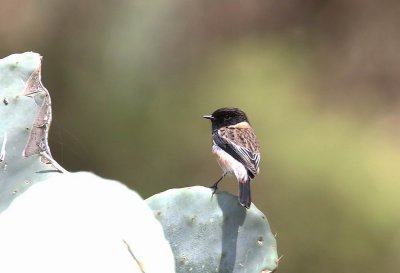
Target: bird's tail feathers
{"points": [[245, 194]]}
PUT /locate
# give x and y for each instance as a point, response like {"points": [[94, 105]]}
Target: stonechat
{"points": [[236, 148]]}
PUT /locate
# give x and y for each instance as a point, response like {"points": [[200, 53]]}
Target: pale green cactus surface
{"points": [[25, 116], [55, 221], [214, 233]]}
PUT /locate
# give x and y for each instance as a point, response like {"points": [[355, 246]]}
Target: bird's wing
{"points": [[241, 143]]}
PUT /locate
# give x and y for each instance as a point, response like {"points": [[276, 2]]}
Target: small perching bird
{"points": [[236, 147]]}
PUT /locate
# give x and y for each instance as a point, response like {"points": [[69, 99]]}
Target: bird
{"points": [[235, 145]]}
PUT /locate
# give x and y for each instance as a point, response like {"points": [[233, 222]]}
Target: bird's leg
{"points": [[215, 185]]}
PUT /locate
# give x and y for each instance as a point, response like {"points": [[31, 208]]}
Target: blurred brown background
{"points": [[319, 80]]}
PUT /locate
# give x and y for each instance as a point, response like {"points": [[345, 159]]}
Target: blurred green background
{"points": [[319, 80]]}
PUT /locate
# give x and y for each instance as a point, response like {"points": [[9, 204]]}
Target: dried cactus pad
{"points": [[214, 233]]}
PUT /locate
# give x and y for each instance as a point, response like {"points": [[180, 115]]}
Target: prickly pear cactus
{"points": [[25, 116], [69, 222], [214, 233]]}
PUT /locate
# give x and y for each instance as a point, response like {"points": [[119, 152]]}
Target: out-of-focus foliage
{"points": [[130, 81]]}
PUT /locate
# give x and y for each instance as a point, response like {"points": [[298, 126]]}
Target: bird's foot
{"points": [[214, 187]]}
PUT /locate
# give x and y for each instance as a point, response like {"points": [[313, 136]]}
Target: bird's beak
{"points": [[209, 117]]}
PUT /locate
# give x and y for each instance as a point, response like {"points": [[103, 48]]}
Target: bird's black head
{"points": [[226, 116]]}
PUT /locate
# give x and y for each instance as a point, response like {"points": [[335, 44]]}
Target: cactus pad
{"points": [[214, 233], [69, 222], [25, 111]]}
